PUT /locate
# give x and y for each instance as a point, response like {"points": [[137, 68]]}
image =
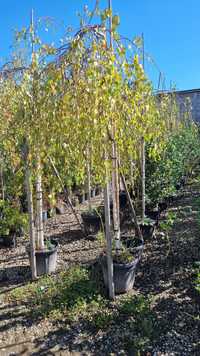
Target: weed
{"points": [[70, 292], [101, 238], [197, 281], [169, 222]]}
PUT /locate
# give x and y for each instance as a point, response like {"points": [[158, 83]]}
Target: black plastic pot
{"points": [[135, 245], [122, 199], [162, 206], [147, 230], [81, 198], [8, 240], [153, 214], [170, 199], [97, 191], [124, 275], [46, 260], [92, 222]]}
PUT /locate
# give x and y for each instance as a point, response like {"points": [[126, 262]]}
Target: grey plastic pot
{"points": [[46, 260], [123, 274]]}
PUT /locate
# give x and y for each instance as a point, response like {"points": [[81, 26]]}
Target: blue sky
{"points": [[171, 30]]}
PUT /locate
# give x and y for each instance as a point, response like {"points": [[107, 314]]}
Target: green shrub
{"points": [[11, 219], [177, 160]]}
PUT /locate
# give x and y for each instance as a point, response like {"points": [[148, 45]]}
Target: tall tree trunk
{"points": [[115, 173], [2, 182], [115, 197], [31, 221], [89, 182], [143, 176], [39, 209], [132, 176], [108, 241]]}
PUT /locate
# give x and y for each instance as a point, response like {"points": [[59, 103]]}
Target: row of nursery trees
{"points": [[86, 111]]}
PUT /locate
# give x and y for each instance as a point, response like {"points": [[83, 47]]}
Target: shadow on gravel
{"points": [[15, 275], [68, 237]]}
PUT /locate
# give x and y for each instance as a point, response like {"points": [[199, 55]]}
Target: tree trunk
{"points": [[31, 221], [89, 185], [2, 183], [115, 196], [132, 175], [143, 176], [108, 242], [39, 209]]}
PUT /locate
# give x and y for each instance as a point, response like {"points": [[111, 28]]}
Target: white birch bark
{"points": [[143, 176], [31, 221], [39, 209]]}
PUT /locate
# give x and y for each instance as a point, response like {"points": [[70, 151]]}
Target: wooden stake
{"points": [[66, 194], [134, 216]]}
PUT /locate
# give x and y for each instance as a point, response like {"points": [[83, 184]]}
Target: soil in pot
{"points": [[46, 260]]}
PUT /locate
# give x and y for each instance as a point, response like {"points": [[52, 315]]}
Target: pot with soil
{"points": [[147, 228], [8, 240], [46, 259], [154, 215], [124, 268], [92, 221], [122, 199], [162, 206], [81, 198]]}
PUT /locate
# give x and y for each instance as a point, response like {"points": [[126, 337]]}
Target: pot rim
{"points": [[126, 265], [45, 250]]}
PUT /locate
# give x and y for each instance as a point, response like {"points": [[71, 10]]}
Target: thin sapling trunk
{"points": [[39, 209], [89, 181], [2, 182], [115, 196], [108, 239], [28, 186], [143, 176]]}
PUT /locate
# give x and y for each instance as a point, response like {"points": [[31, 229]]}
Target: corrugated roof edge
{"points": [[187, 91]]}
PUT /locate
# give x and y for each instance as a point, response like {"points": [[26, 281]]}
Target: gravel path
{"points": [[166, 273]]}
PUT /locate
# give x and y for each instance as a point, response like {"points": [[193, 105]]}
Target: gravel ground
{"points": [[166, 273]]}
